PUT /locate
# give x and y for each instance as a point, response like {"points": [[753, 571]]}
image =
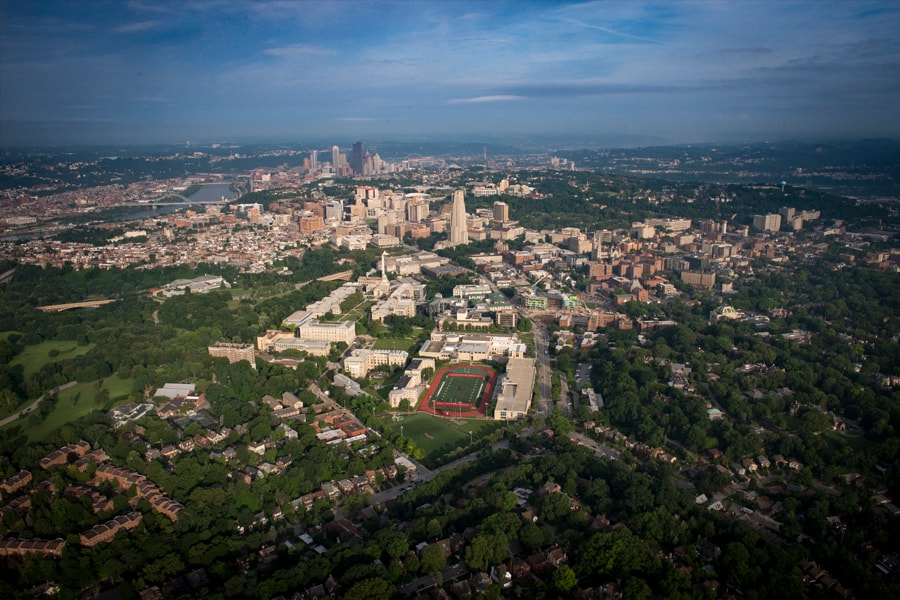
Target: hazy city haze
{"points": [[97, 72]]}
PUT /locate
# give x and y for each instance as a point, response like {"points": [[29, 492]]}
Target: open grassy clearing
{"points": [[36, 356], [117, 386], [5, 334], [407, 344], [76, 402]]}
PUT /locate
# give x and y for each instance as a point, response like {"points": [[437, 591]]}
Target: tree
{"points": [[486, 550], [433, 559], [392, 542], [555, 507], [559, 423], [374, 588], [532, 535], [564, 578]]}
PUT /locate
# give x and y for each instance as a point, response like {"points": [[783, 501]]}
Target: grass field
{"points": [[461, 390], [77, 401], [436, 436], [407, 344], [35, 357]]}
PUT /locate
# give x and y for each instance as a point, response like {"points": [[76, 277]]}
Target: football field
{"points": [[460, 391]]}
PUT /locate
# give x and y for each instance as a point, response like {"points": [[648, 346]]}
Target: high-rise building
{"points": [[769, 222], [336, 159], [501, 212], [356, 160], [416, 210], [314, 160], [459, 232], [334, 210]]}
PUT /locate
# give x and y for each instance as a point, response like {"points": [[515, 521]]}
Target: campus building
{"points": [[360, 362], [233, 352], [473, 347], [515, 390], [459, 229], [411, 385], [343, 331]]}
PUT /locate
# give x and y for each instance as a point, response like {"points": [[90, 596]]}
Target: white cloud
{"points": [[482, 99], [296, 50], [137, 26]]}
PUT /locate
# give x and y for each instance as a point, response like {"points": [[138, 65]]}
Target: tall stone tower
{"points": [[459, 232]]}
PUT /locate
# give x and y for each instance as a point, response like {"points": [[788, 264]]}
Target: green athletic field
{"points": [[437, 437], [465, 390]]}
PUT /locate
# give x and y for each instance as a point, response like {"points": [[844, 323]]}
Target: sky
{"points": [[150, 71]]}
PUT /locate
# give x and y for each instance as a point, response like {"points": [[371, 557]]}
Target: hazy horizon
{"points": [[89, 73]]}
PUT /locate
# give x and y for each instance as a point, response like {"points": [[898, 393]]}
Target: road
{"points": [[424, 475], [417, 586], [598, 448], [545, 383], [34, 405]]}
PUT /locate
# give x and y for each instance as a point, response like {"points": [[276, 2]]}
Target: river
{"points": [[213, 192], [208, 193]]}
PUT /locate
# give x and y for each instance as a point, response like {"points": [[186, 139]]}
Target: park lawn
{"points": [[359, 311], [76, 402], [118, 387], [856, 442], [36, 356], [5, 334], [407, 344]]}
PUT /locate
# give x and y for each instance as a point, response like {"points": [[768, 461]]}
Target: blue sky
{"points": [[674, 72]]}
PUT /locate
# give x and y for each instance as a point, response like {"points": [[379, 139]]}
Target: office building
{"points": [[338, 161], [356, 159]]}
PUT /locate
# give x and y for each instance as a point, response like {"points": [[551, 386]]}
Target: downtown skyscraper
{"points": [[459, 232], [356, 158]]}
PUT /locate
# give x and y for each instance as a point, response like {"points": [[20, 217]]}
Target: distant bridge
{"points": [[62, 307], [172, 195], [344, 275], [184, 200]]}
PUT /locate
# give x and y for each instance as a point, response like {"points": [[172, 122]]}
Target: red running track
{"points": [[480, 411]]}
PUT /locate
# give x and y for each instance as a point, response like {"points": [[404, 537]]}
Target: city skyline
{"points": [[84, 72]]}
